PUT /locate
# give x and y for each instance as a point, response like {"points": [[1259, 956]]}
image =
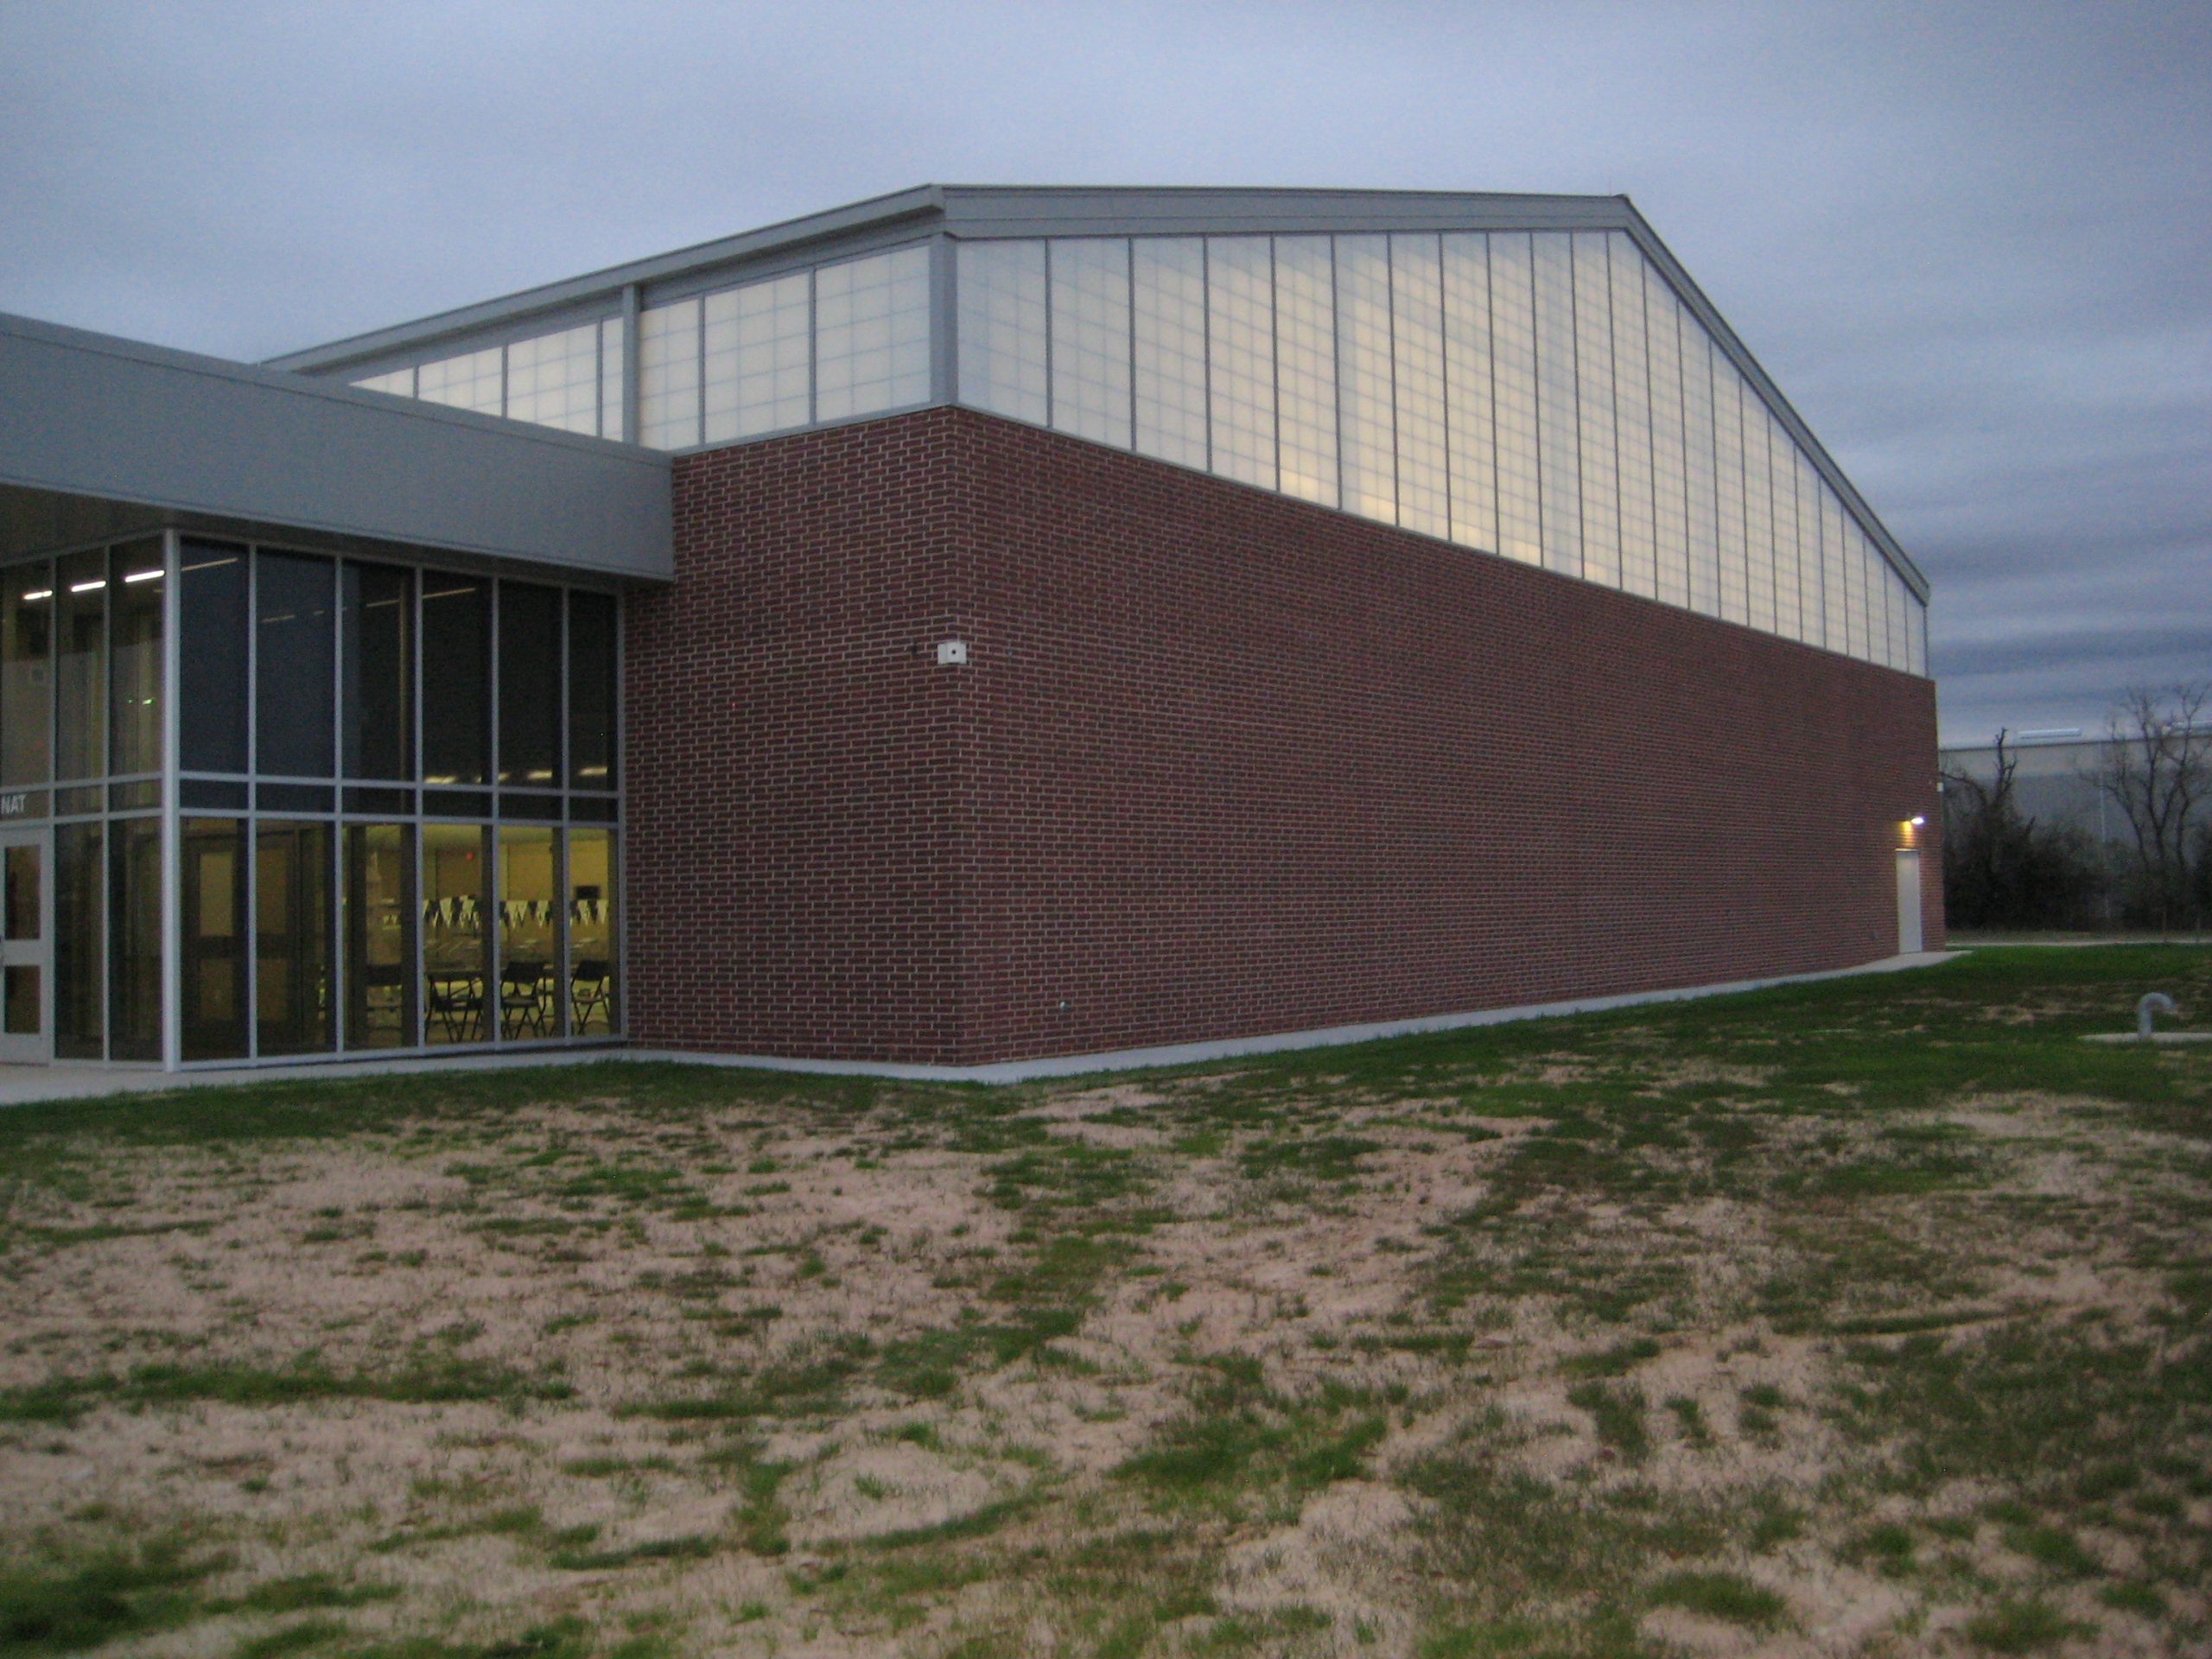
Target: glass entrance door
{"points": [[25, 961]]}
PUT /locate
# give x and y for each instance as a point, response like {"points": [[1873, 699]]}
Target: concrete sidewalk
{"points": [[25, 1084], [21, 1085]]}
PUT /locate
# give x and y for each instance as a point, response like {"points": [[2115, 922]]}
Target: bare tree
{"points": [[2001, 870], [1973, 811], [1981, 798], [2156, 768]]}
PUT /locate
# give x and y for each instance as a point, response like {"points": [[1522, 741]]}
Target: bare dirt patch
{"points": [[1602, 1338]]}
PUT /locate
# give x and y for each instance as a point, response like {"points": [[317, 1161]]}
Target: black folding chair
{"points": [[523, 1003], [457, 1004], [591, 985]]}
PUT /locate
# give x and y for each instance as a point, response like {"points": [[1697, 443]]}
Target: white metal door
{"points": [[1908, 903], [26, 949]]}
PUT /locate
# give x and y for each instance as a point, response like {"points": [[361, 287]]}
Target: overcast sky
{"points": [[1973, 244]]}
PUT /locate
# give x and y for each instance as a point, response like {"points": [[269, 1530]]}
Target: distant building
{"points": [[2051, 780]]}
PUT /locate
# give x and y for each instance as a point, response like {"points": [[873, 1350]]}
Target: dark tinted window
{"points": [[591, 691], [81, 664], [529, 684], [457, 679], [135, 583], [380, 917], [292, 936], [295, 645], [26, 703], [212, 939], [379, 612], [211, 666], [134, 946], [79, 1005]]}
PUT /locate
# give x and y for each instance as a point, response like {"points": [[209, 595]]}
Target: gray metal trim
{"points": [[944, 322], [633, 359], [1024, 210], [813, 350], [39, 833], [172, 934], [90, 416], [250, 821], [1206, 341], [1045, 252]]}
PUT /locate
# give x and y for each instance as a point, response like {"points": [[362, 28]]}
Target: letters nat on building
{"points": [[970, 626]]}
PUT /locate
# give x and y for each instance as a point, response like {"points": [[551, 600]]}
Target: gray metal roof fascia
{"points": [[1089, 210], [1717, 325], [94, 416], [573, 292]]}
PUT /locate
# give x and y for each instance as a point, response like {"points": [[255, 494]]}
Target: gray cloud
{"points": [[1969, 241]]}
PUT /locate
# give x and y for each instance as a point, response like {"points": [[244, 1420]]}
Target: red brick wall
{"points": [[794, 810], [1223, 763]]}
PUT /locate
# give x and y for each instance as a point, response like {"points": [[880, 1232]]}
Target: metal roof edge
{"points": [[1686, 287], [1229, 209], [918, 202]]}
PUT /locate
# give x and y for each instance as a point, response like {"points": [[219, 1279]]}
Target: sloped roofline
{"points": [[968, 210], [965, 212]]}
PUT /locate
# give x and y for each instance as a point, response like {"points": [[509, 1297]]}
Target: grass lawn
{"points": [[1862, 1318]]}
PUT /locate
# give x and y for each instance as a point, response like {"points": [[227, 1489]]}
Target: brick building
{"points": [[972, 627]]}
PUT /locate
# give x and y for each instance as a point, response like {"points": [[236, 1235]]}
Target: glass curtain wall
{"points": [[81, 723], [591, 1006], [293, 925], [80, 917], [212, 954], [397, 801], [386, 875], [1547, 395], [530, 932], [456, 931], [378, 901], [134, 916]]}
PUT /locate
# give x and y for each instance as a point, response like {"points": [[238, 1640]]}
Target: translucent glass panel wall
{"points": [[822, 345], [571, 379], [1543, 394]]}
